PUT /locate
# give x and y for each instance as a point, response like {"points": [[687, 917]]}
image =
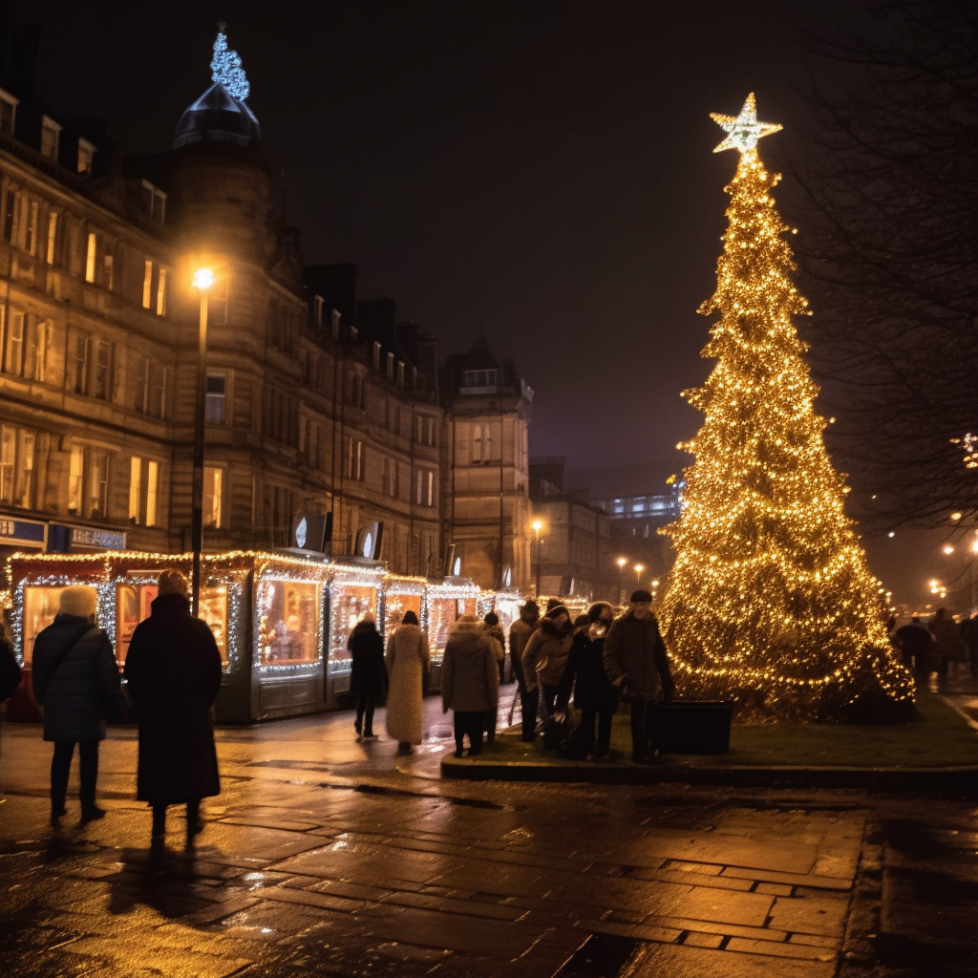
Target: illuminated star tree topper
{"points": [[743, 131], [770, 601], [226, 67]]}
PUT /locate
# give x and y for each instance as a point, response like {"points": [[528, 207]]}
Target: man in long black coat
{"points": [[174, 673]]}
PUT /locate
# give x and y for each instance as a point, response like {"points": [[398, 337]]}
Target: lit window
{"points": [[97, 483], [101, 377], [50, 137], [430, 487], [147, 284], [161, 293], [213, 488], [90, 256], [76, 475], [39, 341], [135, 487], [354, 460], [86, 156], [152, 492]]}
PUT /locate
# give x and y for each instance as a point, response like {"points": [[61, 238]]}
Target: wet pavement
{"points": [[327, 857]]}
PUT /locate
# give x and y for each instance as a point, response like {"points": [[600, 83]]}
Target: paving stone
{"points": [[801, 951], [310, 898], [789, 879], [825, 915], [642, 932], [775, 889], [694, 879], [684, 961], [492, 911], [694, 939]]}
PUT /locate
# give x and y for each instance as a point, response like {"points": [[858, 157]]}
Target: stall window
{"points": [[40, 607], [288, 622], [350, 604]]}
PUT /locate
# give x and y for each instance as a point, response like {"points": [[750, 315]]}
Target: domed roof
{"points": [[218, 116]]}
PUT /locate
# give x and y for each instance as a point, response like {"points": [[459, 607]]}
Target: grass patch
{"points": [[938, 737]]}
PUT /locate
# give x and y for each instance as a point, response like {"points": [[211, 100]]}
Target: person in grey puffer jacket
{"points": [[75, 679], [469, 681]]}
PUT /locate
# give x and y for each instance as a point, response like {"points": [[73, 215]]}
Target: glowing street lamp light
{"points": [[621, 585], [203, 280], [638, 574], [537, 527]]}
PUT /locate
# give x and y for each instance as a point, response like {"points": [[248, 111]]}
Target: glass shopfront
{"points": [[288, 621]]}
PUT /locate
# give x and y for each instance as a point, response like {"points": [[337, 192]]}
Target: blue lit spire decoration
{"points": [[226, 67]]}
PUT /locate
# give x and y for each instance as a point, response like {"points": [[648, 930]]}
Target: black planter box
{"points": [[693, 728]]}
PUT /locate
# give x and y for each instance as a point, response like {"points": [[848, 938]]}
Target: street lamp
{"points": [[537, 527], [638, 574], [203, 280], [621, 585]]}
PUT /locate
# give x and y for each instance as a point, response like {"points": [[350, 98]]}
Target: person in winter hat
{"points": [[469, 681], [368, 677], [519, 634], [545, 656], [594, 695], [174, 672], [635, 661], [75, 677]]}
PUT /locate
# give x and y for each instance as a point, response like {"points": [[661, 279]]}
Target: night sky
{"points": [[540, 173]]}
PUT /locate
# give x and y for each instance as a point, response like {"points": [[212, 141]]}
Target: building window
{"points": [[38, 344], [481, 443], [424, 488], [30, 231], [50, 137], [155, 201], [86, 156], [161, 388], [143, 387], [88, 482], [161, 293], [108, 271], [215, 404], [354, 459], [357, 395], [17, 466], [90, 256], [52, 248], [390, 478], [144, 477], [481, 378], [11, 204], [93, 367], [147, 284], [14, 353], [8, 112], [213, 491]]}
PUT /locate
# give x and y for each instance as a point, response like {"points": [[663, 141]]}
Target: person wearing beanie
{"points": [[174, 671], [469, 681], [636, 663], [76, 681], [519, 634], [594, 695], [545, 657]]}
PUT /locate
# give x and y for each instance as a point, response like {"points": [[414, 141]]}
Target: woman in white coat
{"points": [[408, 662]]}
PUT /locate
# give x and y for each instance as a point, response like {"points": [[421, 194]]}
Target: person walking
{"points": [[174, 668], [76, 681], [368, 677], [408, 663], [519, 634], [497, 639], [469, 681], [545, 657], [948, 640], [636, 663], [594, 695]]}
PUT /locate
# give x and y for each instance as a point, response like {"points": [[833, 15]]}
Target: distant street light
{"points": [[203, 280], [537, 527], [621, 584], [638, 574]]}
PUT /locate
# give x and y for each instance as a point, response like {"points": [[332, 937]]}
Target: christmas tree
{"points": [[770, 602]]}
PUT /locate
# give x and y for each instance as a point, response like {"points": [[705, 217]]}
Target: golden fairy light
{"points": [[770, 602]]}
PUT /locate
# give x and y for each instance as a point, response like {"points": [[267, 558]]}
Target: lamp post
{"points": [[638, 574], [621, 584], [537, 527], [203, 280]]}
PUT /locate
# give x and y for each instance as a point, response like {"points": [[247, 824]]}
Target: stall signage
{"points": [[21, 532], [103, 539]]}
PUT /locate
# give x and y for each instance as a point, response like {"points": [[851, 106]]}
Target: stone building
{"points": [[314, 404]]}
